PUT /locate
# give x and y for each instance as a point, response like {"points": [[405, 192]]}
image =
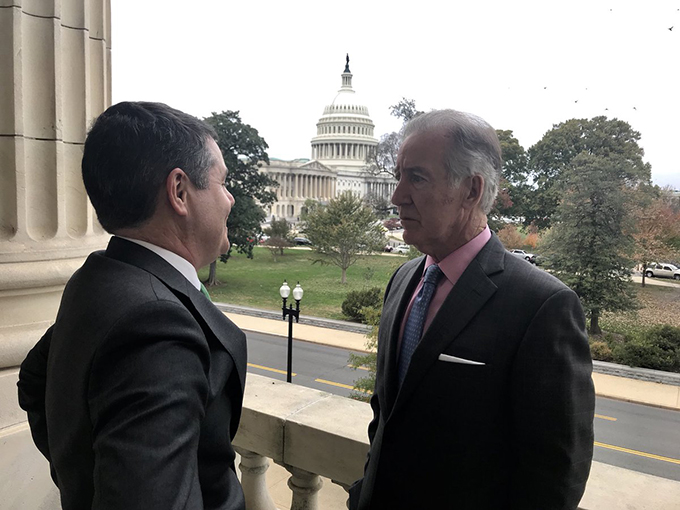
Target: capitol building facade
{"points": [[344, 138]]}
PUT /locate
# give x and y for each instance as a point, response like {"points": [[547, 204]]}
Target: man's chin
{"points": [[409, 237]]}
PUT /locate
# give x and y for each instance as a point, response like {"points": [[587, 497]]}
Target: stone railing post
{"points": [[305, 487], [253, 467]]}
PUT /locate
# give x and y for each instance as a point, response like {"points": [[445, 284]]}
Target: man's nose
{"points": [[399, 194]]}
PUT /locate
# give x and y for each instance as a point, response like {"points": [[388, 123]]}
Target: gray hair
{"points": [[474, 148]]}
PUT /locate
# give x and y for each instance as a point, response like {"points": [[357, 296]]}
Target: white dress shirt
{"points": [[181, 264]]}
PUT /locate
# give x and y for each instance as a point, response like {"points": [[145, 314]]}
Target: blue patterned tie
{"points": [[416, 319]]}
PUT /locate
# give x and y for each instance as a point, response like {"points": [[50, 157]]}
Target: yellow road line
{"points": [[603, 417], [635, 452], [253, 365], [358, 368], [339, 385]]}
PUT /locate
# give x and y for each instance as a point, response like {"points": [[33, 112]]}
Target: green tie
{"points": [[204, 291]]}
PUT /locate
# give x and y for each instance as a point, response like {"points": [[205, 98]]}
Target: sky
{"points": [[521, 65]]}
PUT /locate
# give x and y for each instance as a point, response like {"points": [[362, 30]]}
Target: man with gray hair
{"points": [[483, 398]]}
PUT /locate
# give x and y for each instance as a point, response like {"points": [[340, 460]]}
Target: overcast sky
{"points": [[521, 65]]}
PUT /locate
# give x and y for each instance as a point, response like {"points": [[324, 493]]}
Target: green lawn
{"points": [[255, 282]]}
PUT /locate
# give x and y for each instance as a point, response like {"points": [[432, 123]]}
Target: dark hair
{"points": [[129, 152], [474, 148]]}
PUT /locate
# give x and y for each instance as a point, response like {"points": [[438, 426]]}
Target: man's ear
{"points": [[475, 190], [176, 190]]}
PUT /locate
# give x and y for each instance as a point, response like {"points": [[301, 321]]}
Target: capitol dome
{"points": [[344, 133]]}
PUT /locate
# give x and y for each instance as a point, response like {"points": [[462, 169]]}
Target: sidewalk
{"points": [[609, 487]]}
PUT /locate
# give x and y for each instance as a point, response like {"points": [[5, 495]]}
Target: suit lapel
{"points": [[468, 296], [403, 285], [226, 332]]}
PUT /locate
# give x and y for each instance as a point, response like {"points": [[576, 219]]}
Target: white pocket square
{"points": [[455, 359]]}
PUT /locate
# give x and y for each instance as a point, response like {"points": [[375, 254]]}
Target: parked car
{"points": [[662, 270], [388, 248], [530, 257], [302, 241], [402, 248]]}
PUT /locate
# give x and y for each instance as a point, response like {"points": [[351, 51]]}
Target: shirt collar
{"points": [[181, 264], [456, 262]]}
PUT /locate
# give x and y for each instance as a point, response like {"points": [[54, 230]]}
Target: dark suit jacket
{"points": [[513, 433], [135, 393]]}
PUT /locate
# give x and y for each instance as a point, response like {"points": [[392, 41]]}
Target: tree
{"points": [[405, 109], [510, 237], [656, 227], [279, 236], [513, 185], [366, 385], [383, 157], [244, 151], [588, 244], [379, 204], [341, 231], [611, 139]]}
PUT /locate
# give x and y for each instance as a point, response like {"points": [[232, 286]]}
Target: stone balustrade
{"points": [[309, 432]]}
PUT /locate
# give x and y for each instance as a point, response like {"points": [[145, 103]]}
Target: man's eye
{"points": [[416, 178]]}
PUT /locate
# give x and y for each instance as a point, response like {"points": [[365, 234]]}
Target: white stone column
{"points": [[254, 480], [55, 77], [305, 487]]}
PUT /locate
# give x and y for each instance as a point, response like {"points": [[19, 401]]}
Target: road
{"points": [[632, 436]]}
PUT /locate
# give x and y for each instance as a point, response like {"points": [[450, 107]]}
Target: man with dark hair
{"points": [[135, 393], [483, 397]]}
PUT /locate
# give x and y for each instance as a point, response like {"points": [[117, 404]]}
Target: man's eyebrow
{"points": [[414, 169]]}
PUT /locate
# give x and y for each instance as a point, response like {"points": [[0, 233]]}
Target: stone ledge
{"points": [[642, 374], [309, 429]]}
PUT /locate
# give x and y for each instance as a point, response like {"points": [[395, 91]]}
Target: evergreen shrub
{"points": [[601, 351], [358, 299]]}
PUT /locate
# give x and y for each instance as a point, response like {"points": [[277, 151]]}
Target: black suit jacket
{"points": [[135, 393], [515, 430]]}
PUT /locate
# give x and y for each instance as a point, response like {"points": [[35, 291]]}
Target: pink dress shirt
{"points": [[453, 266]]}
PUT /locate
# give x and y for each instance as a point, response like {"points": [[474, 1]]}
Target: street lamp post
{"points": [[290, 312]]}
